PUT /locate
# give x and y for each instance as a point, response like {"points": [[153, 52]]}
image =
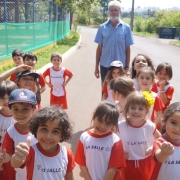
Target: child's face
{"points": [[115, 73], [22, 112], [30, 62], [101, 127], [140, 62], [145, 81], [4, 101], [49, 135], [137, 113], [26, 82], [56, 61], [173, 127], [162, 75], [18, 60]]}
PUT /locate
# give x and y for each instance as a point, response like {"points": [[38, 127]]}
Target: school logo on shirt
{"points": [[99, 148], [22, 95]]}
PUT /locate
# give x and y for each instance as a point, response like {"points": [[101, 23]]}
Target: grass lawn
{"points": [[44, 56], [145, 34], [176, 42]]}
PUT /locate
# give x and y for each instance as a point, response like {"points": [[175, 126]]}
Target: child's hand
{"points": [[126, 154], [22, 150], [49, 85], [166, 148], [23, 68], [149, 151], [162, 83], [2, 158], [64, 84]]}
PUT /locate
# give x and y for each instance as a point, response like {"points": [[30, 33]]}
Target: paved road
{"points": [[84, 90]]}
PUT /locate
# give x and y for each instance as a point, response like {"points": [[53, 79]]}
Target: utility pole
{"points": [[132, 15]]}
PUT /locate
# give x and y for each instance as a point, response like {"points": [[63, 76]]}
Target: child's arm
{"points": [[110, 174], [21, 151], [4, 158], [158, 117], [162, 95], [68, 79], [69, 176], [165, 150], [42, 89], [85, 173], [8, 73], [157, 134]]}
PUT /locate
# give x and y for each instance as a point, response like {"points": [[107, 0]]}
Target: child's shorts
{"points": [[59, 101]]}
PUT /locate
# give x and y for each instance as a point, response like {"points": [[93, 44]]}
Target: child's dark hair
{"points": [[6, 87], [149, 61], [30, 55], [109, 73], [165, 66], [168, 113], [122, 85], [107, 110], [17, 52], [133, 99], [147, 69], [51, 113]]}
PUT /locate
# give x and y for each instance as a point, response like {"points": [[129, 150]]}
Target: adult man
{"points": [[114, 38]]}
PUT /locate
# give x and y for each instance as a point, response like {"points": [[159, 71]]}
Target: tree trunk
{"points": [[71, 18]]}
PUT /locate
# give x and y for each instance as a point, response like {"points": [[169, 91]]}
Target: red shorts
{"points": [[58, 101], [139, 169]]}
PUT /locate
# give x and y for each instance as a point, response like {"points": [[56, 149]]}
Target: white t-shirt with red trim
{"points": [[44, 166], [57, 78], [12, 138], [99, 153], [170, 169], [5, 123], [136, 140]]}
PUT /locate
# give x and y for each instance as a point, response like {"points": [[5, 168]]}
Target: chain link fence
{"points": [[30, 24]]}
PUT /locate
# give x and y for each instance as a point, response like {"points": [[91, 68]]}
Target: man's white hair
{"points": [[114, 3]]}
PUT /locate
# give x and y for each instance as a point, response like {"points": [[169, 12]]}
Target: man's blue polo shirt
{"points": [[114, 42]]}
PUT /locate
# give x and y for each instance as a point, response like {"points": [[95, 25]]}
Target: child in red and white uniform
{"points": [[47, 159], [115, 70], [137, 135], [17, 56], [57, 81], [31, 60], [121, 87], [22, 103], [167, 147], [6, 120], [163, 88], [145, 78], [99, 152], [141, 60]]}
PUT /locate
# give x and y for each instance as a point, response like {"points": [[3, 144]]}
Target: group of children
{"points": [[135, 132]]}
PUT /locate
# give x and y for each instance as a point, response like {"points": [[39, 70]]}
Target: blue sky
{"points": [[151, 3]]}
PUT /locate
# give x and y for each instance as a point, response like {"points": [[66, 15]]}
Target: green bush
{"points": [[138, 24], [82, 18]]}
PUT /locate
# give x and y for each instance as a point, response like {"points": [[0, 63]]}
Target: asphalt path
{"points": [[84, 90]]}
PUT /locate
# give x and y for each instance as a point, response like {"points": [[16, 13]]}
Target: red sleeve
{"points": [[71, 162], [8, 144], [13, 77], [154, 87], [158, 104], [169, 94], [117, 159], [104, 88], [79, 156], [46, 73], [157, 164], [67, 73], [42, 80]]}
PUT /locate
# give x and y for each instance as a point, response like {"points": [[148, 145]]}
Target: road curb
{"points": [[64, 56]]}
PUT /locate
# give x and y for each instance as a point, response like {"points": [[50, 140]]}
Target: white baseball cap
{"points": [[116, 63]]}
